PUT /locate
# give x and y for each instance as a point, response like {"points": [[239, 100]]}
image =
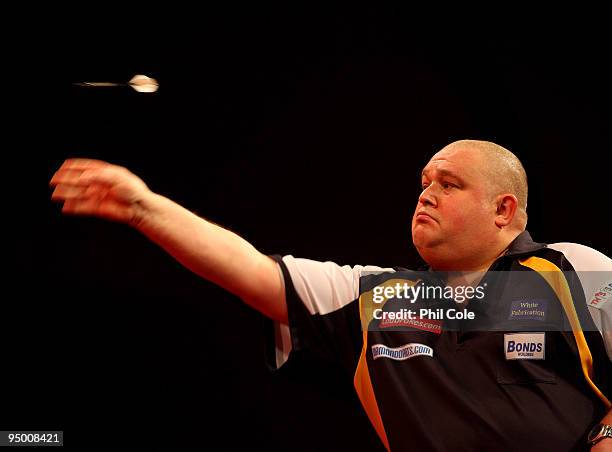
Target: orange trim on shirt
{"points": [[557, 282], [365, 391]]}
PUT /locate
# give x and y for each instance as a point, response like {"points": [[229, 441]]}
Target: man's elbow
{"points": [[267, 291]]}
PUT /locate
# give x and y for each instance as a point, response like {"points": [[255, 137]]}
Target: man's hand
{"points": [[605, 445], [97, 188]]}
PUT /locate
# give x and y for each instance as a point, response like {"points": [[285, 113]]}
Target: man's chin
{"points": [[424, 240]]}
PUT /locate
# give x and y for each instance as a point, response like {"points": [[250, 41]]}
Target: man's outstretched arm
{"points": [[97, 188]]}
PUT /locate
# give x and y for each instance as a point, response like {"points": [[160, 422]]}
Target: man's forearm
{"points": [[214, 253]]}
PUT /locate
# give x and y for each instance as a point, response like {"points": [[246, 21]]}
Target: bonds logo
{"points": [[401, 353], [525, 345]]}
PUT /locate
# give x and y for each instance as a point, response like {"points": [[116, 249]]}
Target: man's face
{"points": [[453, 222]]}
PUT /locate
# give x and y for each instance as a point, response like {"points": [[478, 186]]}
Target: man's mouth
{"points": [[422, 216]]}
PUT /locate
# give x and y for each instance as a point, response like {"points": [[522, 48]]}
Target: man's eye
{"points": [[445, 185]]}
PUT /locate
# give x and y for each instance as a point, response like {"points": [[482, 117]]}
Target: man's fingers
{"points": [[74, 207], [81, 206], [78, 165], [65, 176], [64, 191], [82, 177], [93, 206], [82, 164]]}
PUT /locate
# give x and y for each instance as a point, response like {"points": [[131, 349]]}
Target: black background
{"points": [[302, 129]]}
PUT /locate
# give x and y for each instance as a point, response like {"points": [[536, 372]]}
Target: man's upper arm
{"points": [[594, 270], [324, 287]]}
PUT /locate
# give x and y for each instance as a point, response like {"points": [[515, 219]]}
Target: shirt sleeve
{"points": [[322, 309], [594, 270]]}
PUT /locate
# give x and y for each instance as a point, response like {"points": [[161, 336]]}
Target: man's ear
{"points": [[506, 209]]}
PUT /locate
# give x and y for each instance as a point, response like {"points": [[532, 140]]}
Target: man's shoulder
{"points": [[582, 257]]}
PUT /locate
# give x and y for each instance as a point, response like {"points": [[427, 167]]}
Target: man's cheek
{"points": [[457, 219]]}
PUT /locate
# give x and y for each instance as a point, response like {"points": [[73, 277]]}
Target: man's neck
{"points": [[473, 276]]}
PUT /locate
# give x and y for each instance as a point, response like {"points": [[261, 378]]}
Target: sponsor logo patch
{"points": [[433, 326], [524, 345], [601, 296], [401, 353], [528, 310]]}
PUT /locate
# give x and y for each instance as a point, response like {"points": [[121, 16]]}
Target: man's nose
{"points": [[428, 197]]}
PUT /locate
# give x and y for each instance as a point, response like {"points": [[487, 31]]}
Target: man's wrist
{"points": [[599, 432], [144, 210]]}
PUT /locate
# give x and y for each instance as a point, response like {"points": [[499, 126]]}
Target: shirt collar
{"points": [[523, 244]]}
